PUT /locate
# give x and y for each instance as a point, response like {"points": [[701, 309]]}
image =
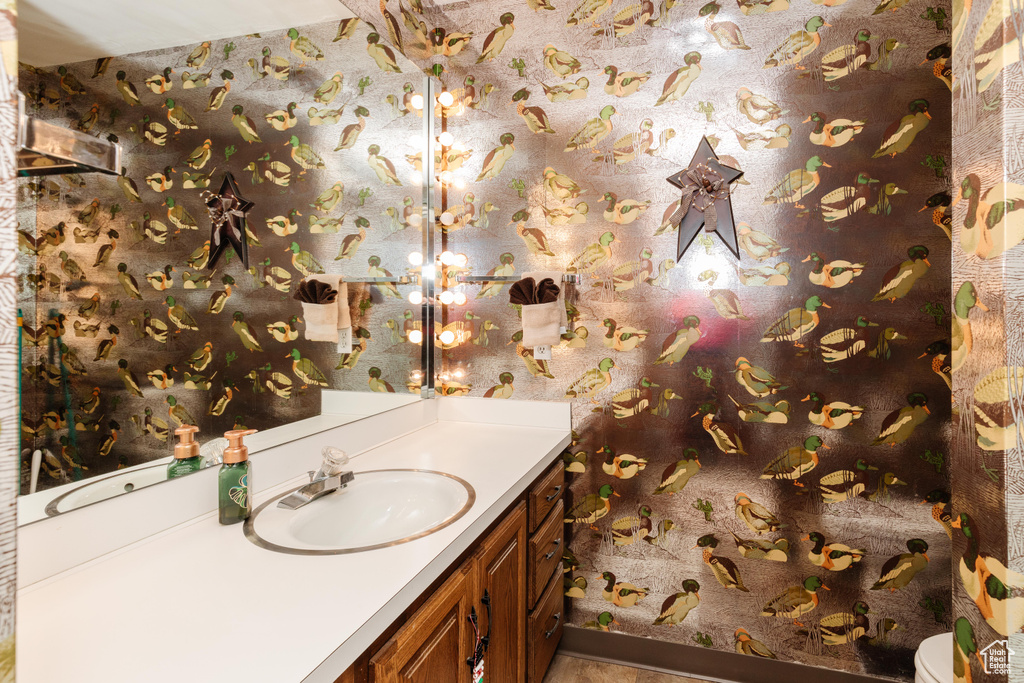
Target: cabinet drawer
{"points": [[545, 629], [545, 552], [545, 494]]}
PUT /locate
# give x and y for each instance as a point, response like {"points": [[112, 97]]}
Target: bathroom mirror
{"points": [[296, 123]]}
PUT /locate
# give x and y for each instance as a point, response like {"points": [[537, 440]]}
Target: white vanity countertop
{"points": [[202, 603]]}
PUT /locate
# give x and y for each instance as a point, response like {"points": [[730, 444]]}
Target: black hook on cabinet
{"points": [[481, 641]]}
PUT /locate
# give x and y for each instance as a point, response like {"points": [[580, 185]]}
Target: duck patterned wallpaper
{"points": [[126, 332], [760, 461], [988, 359]]}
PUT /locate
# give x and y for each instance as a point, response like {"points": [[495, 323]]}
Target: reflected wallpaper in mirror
{"points": [[128, 332]]}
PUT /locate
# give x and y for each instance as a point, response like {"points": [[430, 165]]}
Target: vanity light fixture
{"points": [[425, 222], [460, 299], [446, 99], [447, 337], [460, 260], [447, 257], [415, 257], [446, 139], [446, 297], [447, 218], [416, 297], [415, 337]]}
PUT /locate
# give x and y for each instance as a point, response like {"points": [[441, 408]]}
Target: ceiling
{"points": [[63, 31]]}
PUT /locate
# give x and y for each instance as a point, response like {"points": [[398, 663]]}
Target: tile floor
{"points": [[572, 670]]}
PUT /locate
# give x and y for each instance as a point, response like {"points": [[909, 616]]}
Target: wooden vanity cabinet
{"points": [[519, 570], [434, 644], [501, 573], [546, 597]]}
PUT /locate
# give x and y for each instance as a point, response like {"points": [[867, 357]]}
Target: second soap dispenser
{"points": [[234, 480], [186, 453]]}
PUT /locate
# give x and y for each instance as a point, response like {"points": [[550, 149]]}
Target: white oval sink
{"points": [[377, 509], [107, 487]]}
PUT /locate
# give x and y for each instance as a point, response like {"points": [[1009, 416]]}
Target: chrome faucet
{"points": [[328, 479]]}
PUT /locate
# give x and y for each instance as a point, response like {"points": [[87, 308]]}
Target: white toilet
{"points": [[934, 660]]}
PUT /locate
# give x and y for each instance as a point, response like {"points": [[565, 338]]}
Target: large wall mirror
{"points": [[130, 329]]}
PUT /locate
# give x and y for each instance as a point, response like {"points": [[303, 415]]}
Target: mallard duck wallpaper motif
{"points": [[982, 216], [662, 429], [136, 329]]}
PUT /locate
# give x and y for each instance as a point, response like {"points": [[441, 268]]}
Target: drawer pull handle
{"points": [[558, 617], [558, 489], [557, 542]]}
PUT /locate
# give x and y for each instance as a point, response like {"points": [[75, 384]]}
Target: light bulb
{"points": [[446, 297], [415, 220], [447, 337], [445, 99], [460, 184], [447, 258], [446, 176], [415, 179], [415, 258], [459, 374], [415, 336], [461, 260], [416, 101], [416, 297], [460, 299], [447, 218], [446, 139]]}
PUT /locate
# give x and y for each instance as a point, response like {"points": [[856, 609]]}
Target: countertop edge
{"points": [[349, 651]]}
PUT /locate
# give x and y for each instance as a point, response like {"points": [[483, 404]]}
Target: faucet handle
{"points": [[212, 451], [312, 475], [334, 460]]}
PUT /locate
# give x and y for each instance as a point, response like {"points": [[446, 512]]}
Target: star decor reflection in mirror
{"points": [[142, 311]]}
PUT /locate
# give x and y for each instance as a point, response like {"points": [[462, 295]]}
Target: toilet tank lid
{"points": [[936, 656]]}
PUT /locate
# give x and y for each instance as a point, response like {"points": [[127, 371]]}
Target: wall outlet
{"points": [[345, 340], [542, 353]]}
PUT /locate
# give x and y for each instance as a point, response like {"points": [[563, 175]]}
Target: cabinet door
{"points": [[435, 642], [501, 567]]}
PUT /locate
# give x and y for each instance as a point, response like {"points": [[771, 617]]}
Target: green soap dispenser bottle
{"points": [[234, 480], [186, 453]]}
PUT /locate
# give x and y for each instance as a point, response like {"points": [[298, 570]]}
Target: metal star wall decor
{"points": [[227, 211], [705, 201]]}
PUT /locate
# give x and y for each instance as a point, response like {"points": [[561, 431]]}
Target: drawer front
{"points": [[545, 494], [545, 629], [545, 552]]}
